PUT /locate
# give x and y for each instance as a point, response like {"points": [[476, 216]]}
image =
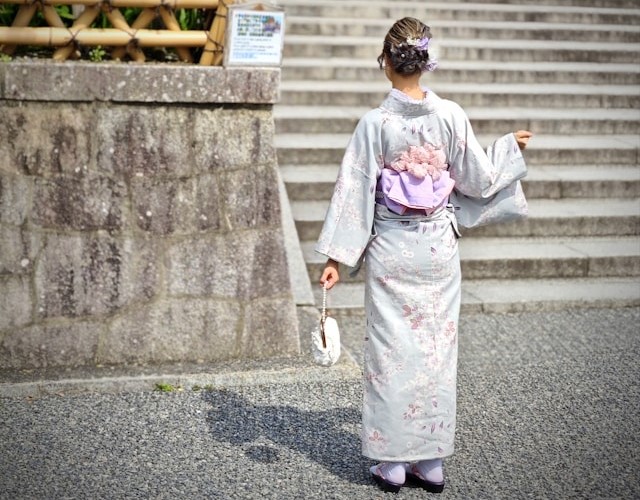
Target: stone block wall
{"points": [[139, 216]]}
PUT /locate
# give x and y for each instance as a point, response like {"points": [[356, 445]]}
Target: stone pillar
{"points": [[139, 216]]}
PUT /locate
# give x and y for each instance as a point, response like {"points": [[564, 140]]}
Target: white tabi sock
{"points": [[393, 472], [431, 470]]}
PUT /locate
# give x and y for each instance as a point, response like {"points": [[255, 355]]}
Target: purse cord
{"points": [[324, 302], [324, 315]]}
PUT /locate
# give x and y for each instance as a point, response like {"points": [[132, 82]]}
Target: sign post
{"points": [[255, 35]]}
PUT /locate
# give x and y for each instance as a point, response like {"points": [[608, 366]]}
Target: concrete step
{"points": [[524, 258], [308, 68], [569, 70], [316, 182], [555, 217], [469, 49], [516, 258], [478, 30], [459, 11], [495, 121], [311, 149], [510, 295], [590, 181], [371, 93]]}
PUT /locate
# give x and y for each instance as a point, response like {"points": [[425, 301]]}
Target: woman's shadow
{"points": [[319, 435]]}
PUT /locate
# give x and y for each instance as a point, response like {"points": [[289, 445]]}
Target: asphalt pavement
{"points": [[548, 407]]}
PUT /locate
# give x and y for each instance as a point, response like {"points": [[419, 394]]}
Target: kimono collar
{"points": [[400, 103]]}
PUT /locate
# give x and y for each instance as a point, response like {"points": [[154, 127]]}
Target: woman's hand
{"points": [[522, 138], [330, 275]]}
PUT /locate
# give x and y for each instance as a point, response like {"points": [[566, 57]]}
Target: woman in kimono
{"points": [[412, 170]]}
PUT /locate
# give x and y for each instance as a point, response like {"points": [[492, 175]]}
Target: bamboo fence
{"points": [[121, 38]]}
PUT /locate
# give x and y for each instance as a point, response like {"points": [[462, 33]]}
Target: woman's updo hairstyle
{"points": [[406, 47]]}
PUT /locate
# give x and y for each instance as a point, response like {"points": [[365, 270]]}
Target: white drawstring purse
{"points": [[325, 338]]}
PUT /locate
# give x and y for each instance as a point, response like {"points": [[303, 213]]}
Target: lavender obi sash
{"points": [[402, 192]]}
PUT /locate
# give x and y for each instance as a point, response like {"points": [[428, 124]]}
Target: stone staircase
{"points": [[567, 70]]}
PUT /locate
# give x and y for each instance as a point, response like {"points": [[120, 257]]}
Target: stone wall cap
{"points": [[83, 81]]}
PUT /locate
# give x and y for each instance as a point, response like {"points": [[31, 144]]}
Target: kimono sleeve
{"points": [[487, 184], [348, 222]]}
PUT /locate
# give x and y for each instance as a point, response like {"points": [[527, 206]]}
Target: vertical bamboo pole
{"points": [[23, 18], [85, 20], [118, 21], [170, 21], [213, 50], [142, 21]]}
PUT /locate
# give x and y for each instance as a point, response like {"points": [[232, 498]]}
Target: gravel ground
{"points": [[548, 408]]}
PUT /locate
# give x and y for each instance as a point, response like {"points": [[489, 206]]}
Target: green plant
{"points": [[97, 53], [7, 13], [164, 387], [190, 19], [5, 57], [65, 12], [130, 14]]}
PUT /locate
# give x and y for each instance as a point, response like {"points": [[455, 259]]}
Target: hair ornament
{"points": [[418, 43], [431, 65]]}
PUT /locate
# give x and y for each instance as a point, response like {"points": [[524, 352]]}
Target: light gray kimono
{"points": [[412, 280]]}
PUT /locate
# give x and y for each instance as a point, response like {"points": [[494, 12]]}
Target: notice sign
{"points": [[254, 36]]}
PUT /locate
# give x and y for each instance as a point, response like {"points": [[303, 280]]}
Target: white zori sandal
{"points": [[428, 474], [390, 476]]}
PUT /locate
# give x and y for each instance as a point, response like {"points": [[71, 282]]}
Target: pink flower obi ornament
{"points": [[418, 179], [421, 161], [402, 190]]}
